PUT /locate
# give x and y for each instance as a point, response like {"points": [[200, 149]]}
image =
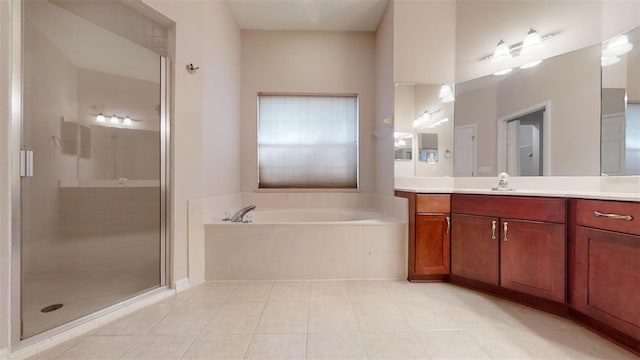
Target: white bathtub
{"points": [[329, 216], [286, 244]]}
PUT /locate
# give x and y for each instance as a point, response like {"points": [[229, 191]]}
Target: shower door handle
{"points": [[26, 163]]}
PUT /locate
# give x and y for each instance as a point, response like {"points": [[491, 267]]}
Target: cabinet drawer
{"points": [[433, 203], [587, 215], [509, 206]]}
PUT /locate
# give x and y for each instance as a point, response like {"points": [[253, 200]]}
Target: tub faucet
{"points": [[240, 215]]}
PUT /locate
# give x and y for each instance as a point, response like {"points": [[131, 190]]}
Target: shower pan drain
{"points": [[51, 308]]}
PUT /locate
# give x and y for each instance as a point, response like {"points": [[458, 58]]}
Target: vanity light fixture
{"points": [[617, 47], [531, 64], [115, 120], [100, 118], [502, 52], [503, 72], [532, 40], [127, 121]]}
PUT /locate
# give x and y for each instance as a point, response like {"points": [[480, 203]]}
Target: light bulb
{"points": [[503, 72], [618, 46], [100, 118], [402, 142], [127, 121], [444, 120], [531, 64], [445, 91], [447, 99], [502, 52], [115, 120], [532, 40], [416, 123], [610, 60]]}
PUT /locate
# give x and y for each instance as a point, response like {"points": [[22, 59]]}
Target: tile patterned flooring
{"points": [[336, 320]]}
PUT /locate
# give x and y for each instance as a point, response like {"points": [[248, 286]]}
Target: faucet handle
{"points": [[227, 216], [247, 219]]}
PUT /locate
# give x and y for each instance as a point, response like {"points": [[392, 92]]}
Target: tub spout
{"points": [[240, 215]]}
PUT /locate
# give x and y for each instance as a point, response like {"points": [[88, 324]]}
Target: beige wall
{"points": [[308, 62], [204, 115], [424, 41], [221, 102], [481, 24], [5, 192], [384, 101]]}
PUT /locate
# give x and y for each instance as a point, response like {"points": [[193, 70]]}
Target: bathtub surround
{"points": [[305, 250]]}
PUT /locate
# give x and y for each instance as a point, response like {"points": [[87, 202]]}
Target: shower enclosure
{"points": [[92, 185]]}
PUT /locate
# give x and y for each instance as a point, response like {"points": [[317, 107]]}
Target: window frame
{"points": [[301, 189]]}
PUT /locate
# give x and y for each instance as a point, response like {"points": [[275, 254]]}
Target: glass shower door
{"points": [[92, 208]]}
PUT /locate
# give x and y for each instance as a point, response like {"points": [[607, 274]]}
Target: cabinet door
{"points": [[432, 246], [532, 258], [607, 278], [475, 247]]}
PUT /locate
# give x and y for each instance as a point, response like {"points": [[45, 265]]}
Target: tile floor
{"points": [[337, 320]]}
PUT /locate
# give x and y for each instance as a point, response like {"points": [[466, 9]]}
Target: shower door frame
{"points": [[16, 137]]}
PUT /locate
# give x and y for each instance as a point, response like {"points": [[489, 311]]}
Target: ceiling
{"points": [[311, 15]]}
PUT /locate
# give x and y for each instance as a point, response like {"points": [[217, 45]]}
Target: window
{"points": [[307, 141]]}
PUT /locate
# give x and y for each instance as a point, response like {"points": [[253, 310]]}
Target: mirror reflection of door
{"points": [[464, 149], [524, 144]]}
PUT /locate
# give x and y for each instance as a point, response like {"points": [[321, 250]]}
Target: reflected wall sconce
{"points": [[426, 119], [115, 120], [613, 49], [192, 69]]}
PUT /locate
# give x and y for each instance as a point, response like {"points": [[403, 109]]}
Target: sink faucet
{"points": [[239, 216], [503, 183]]}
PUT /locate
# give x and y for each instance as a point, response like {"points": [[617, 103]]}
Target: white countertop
{"points": [[525, 192]]}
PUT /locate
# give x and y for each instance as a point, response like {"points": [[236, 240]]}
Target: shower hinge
{"points": [[26, 163]]}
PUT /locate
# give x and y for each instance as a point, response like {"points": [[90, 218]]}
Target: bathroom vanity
{"points": [[574, 257], [429, 236]]}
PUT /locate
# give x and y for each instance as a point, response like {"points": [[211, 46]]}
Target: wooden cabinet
{"points": [[429, 236], [517, 243], [432, 254], [532, 258], [475, 248], [606, 276]]}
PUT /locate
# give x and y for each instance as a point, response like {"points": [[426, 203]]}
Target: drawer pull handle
{"points": [[493, 230], [448, 224], [506, 229], [613, 216]]}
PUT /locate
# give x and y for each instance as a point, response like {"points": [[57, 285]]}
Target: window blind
{"points": [[308, 141]]}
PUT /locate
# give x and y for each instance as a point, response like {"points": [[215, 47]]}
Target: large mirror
{"points": [[532, 121], [423, 137], [621, 105]]}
